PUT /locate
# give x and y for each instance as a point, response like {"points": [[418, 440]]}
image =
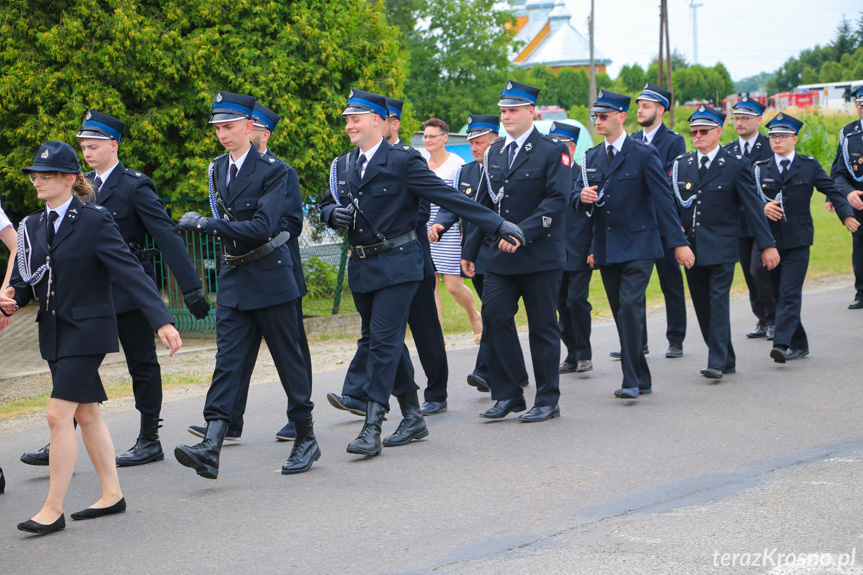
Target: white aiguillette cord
{"points": [[24, 269]]}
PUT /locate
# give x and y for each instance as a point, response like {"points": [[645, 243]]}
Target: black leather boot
{"points": [[148, 448], [37, 457], [204, 457], [305, 451], [413, 424], [368, 442]]}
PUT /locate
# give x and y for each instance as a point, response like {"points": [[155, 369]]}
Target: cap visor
{"points": [[509, 103], [221, 118], [703, 122], [781, 130], [92, 135], [40, 167], [477, 134], [744, 112], [355, 110], [602, 109]]}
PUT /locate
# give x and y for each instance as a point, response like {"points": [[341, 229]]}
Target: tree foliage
{"points": [[158, 64]]}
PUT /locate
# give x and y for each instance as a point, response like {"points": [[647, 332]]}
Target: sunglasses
{"points": [[700, 132], [603, 117]]}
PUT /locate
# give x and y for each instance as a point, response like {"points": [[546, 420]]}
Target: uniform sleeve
{"points": [[753, 208], [293, 216], [23, 293], [264, 225], [114, 254], [828, 187], [424, 183], [445, 218], [160, 227], [327, 204], [558, 183], [839, 174], [659, 190]]}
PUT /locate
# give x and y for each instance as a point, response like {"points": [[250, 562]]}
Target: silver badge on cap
{"points": [[219, 97], [509, 85], [469, 120], [45, 154], [600, 94], [89, 115], [351, 95], [745, 99], [779, 116], [701, 109]]}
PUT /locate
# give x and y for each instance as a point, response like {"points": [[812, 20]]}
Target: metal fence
{"points": [[323, 253]]}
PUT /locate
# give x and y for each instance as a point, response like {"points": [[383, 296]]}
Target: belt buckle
{"points": [[360, 251]]}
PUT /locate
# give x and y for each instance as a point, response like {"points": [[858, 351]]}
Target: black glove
{"points": [[193, 221], [341, 218], [510, 232], [197, 302]]}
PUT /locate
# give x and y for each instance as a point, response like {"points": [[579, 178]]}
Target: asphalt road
{"points": [[768, 458]]}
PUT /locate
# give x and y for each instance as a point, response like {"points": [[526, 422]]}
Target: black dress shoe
{"points": [[801, 353], [781, 355], [674, 351], [567, 367], [2, 481], [37, 457], [857, 304], [617, 354], [504, 407], [347, 403], [540, 413], [584, 365], [770, 332], [479, 383], [627, 393], [93, 513], [759, 332], [40, 529], [712, 373]]}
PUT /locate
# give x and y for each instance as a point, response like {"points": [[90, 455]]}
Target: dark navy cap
{"points": [[782, 123], [101, 126], [857, 92], [610, 102], [748, 106], [55, 156], [263, 117], [228, 107], [360, 102], [477, 125], [654, 93], [394, 108], [518, 94], [565, 132], [707, 116]]}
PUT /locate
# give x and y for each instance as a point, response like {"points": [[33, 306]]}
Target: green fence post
{"points": [[343, 260]]}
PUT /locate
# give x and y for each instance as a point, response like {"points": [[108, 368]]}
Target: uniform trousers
{"points": [[786, 281], [387, 366], [625, 286], [574, 312], [139, 346], [428, 338], [238, 337], [761, 296], [857, 263], [239, 410], [539, 291], [671, 282], [709, 287], [481, 365]]}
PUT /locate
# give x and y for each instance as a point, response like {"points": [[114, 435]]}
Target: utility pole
{"points": [[592, 86], [693, 7], [665, 56]]}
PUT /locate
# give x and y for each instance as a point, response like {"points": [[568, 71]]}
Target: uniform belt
{"points": [[145, 255], [258, 253], [385, 246]]}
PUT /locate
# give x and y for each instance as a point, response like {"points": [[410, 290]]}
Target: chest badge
{"points": [[688, 185], [546, 222], [468, 191]]}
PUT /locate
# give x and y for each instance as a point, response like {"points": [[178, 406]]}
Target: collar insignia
{"points": [[528, 147]]}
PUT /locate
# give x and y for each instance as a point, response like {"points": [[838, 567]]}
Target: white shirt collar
{"points": [[239, 161], [742, 143], [779, 158], [104, 176], [519, 142], [648, 136], [710, 156], [61, 212], [617, 144], [369, 154]]}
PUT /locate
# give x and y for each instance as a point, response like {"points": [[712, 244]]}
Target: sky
{"points": [[747, 36]]}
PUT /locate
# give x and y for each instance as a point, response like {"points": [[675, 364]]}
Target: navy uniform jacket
{"points": [[131, 199], [395, 181], [668, 144], [796, 229], [535, 189], [712, 221], [87, 255], [638, 209], [844, 178], [422, 220], [292, 222], [579, 234], [760, 151], [256, 204]]}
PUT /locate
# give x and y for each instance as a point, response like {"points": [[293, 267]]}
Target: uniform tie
{"points": [[361, 160], [784, 167], [610, 151], [231, 175], [513, 147], [746, 149], [703, 169], [52, 217], [97, 183]]}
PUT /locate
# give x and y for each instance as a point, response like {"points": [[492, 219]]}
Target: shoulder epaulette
{"points": [[640, 142], [217, 158], [92, 206], [134, 173], [268, 159], [802, 157], [764, 161], [681, 156]]}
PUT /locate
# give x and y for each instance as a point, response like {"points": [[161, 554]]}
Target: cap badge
{"points": [[745, 99], [89, 115], [351, 95], [45, 154], [701, 109], [600, 94], [469, 120], [219, 97], [779, 116], [509, 85], [645, 86]]}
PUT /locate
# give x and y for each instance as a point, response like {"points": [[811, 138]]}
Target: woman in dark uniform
{"points": [[67, 254]]}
